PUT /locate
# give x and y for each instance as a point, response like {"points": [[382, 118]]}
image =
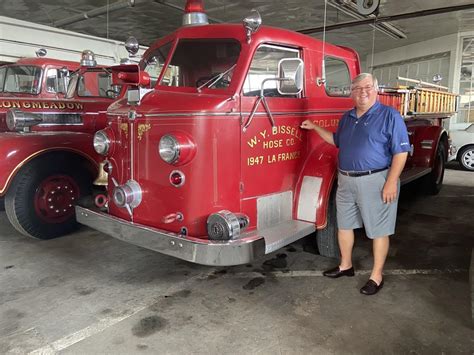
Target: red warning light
{"points": [[194, 6]]}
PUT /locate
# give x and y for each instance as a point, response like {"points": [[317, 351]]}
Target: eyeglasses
{"points": [[359, 89]]}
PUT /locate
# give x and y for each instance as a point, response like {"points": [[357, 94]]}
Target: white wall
{"points": [[450, 43], [457, 76], [416, 50], [21, 39]]}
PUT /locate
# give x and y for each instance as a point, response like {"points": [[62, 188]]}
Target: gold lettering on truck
{"points": [[142, 128], [124, 129], [270, 143], [41, 105]]}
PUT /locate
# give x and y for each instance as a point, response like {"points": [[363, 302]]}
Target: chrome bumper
{"points": [[200, 251]]}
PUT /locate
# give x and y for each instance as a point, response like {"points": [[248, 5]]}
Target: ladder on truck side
{"points": [[421, 100]]}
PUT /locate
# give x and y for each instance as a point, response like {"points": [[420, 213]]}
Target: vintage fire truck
{"points": [[47, 159], [205, 158]]}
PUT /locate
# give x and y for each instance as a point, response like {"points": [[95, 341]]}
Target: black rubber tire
{"points": [[465, 150], [19, 200], [327, 238], [2, 204], [433, 182]]}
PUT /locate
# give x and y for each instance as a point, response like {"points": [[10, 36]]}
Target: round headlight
{"points": [[101, 142], [169, 149]]}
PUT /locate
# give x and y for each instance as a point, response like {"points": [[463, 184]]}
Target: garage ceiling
{"points": [[151, 19]]}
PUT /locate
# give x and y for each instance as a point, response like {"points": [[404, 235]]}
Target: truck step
{"points": [[284, 233]]}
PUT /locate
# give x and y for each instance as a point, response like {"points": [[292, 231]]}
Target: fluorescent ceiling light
{"points": [[349, 8]]}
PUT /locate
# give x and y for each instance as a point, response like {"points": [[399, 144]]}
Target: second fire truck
{"points": [[47, 161]]}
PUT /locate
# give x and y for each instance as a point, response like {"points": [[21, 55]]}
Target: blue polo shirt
{"points": [[370, 141]]}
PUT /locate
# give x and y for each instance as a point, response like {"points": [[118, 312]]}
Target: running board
{"points": [[413, 174], [285, 233]]}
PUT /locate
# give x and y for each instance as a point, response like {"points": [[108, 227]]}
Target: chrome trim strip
{"points": [[226, 114], [200, 251], [306, 113], [124, 114], [193, 114], [55, 112], [427, 144], [65, 112], [59, 124]]}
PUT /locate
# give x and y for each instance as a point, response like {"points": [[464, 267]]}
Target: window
{"points": [[466, 83], [56, 80], [21, 79], [198, 62], [52, 80], [421, 68], [154, 63], [265, 65], [3, 72], [338, 80], [95, 84]]}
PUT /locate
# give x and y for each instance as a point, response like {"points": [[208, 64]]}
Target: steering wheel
{"points": [[111, 93]]}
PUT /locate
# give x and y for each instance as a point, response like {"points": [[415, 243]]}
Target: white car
{"points": [[464, 143]]}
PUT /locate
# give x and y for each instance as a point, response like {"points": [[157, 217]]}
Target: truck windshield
{"points": [[20, 79], [154, 62], [196, 62]]}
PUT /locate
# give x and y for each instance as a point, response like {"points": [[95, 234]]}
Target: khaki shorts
{"points": [[359, 203]]}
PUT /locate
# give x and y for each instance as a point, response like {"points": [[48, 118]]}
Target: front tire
{"points": [[40, 202], [466, 158], [326, 238]]}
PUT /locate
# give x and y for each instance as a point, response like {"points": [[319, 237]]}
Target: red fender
{"points": [[17, 149], [423, 156], [320, 163]]}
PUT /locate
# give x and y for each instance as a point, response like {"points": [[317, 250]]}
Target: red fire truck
{"points": [[47, 159], [205, 158]]}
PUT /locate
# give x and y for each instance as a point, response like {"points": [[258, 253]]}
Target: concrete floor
{"points": [[91, 294]]}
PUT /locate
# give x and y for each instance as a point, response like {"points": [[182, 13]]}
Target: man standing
{"points": [[373, 144]]}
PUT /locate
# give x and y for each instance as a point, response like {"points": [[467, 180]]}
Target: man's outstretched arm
{"points": [[323, 133]]}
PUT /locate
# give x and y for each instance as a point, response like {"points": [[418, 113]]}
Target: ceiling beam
{"points": [[382, 19], [118, 5]]}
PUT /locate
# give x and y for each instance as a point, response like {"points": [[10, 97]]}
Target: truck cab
{"points": [[36, 78]]}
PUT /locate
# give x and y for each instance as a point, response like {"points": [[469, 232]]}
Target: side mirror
{"points": [[291, 75], [64, 80]]}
